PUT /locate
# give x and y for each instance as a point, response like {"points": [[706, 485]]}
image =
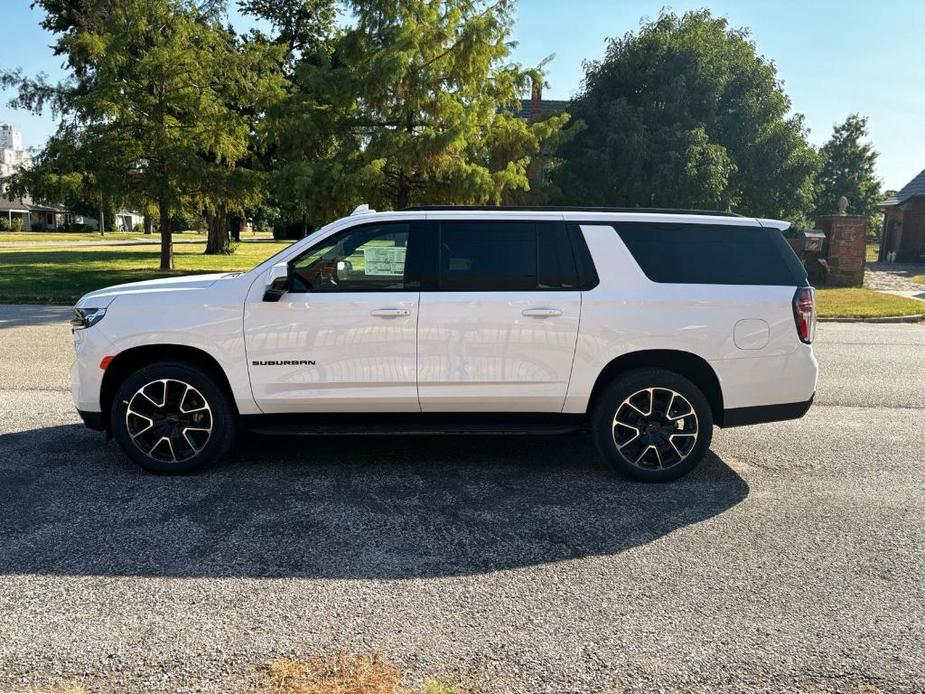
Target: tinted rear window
{"points": [[703, 254], [505, 256]]}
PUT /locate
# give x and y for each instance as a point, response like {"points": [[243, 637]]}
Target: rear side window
{"points": [[505, 256], [703, 254]]}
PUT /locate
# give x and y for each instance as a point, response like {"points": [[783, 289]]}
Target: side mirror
{"points": [[277, 282]]}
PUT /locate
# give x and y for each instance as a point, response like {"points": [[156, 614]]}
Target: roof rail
{"points": [[515, 208]]}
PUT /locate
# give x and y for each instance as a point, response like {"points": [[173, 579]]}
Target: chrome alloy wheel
{"points": [[655, 428], [169, 420]]}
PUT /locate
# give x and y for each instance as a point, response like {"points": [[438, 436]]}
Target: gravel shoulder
{"points": [[791, 560]]}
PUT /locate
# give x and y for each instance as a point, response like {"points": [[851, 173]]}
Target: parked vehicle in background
{"points": [[646, 327]]}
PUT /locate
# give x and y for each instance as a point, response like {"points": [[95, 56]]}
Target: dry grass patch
{"points": [[343, 673]]}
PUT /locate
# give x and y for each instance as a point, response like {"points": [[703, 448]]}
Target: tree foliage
{"points": [[302, 27], [685, 113], [848, 168], [159, 98], [414, 102]]}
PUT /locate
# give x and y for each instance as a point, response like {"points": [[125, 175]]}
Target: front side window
{"points": [[367, 258]]}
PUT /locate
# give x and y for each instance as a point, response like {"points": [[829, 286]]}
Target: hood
{"points": [[101, 298]]}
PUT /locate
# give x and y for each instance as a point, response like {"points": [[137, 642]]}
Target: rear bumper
{"points": [[93, 420], [742, 416]]}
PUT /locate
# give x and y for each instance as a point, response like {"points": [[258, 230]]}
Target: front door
{"points": [[343, 337], [497, 331]]}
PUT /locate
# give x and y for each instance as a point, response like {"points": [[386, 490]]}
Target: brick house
{"points": [[904, 223]]}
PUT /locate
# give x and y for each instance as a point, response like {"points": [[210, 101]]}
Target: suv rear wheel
{"points": [[652, 425], [172, 418]]}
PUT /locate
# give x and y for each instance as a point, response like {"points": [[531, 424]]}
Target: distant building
{"points": [[12, 155], [38, 216], [540, 109], [532, 110], [903, 232]]}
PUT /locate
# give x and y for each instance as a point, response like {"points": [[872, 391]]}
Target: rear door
{"points": [[498, 318]]}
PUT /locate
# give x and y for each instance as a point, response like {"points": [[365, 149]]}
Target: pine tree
{"points": [[849, 168]]}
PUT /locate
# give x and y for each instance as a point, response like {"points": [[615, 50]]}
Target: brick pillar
{"points": [[846, 242]]}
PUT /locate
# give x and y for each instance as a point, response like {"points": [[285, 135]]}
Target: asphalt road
{"points": [[791, 560]]}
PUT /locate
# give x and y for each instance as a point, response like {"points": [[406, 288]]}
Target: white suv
{"points": [[646, 327]]}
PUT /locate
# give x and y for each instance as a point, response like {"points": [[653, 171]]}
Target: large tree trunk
{"points": [[218, 241], [102, 224], [148, 223], [166, 235], [236, 224]]}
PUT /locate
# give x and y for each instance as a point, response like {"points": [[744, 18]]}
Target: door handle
{"points": [[541, 312], [390, 312]]}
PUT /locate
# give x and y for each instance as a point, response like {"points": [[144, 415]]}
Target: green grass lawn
{"points": [[27, 237], [65, 237], [62, 275], [919, 278], [864, 303]]}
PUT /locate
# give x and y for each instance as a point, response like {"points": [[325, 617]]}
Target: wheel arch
{"points": [[692, 367], [131, 360]]}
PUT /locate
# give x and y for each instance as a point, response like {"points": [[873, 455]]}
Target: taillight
{"points": [[804, 313]]}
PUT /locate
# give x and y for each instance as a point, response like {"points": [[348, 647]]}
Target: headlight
{"points": [[87, 317]]}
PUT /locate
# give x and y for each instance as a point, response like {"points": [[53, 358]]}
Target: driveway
{"points": [[791, 560], [895, 278]]}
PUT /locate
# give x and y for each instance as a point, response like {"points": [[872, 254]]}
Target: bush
{"points": [[4, 224], [17, 224], [138, 227]]}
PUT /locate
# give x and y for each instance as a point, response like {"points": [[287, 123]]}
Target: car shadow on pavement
{"points": [[350, 507]]}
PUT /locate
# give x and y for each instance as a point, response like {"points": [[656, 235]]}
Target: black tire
{"points": [[203, 403], [660, 450]]}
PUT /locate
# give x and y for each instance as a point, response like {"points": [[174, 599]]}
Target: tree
{"points": [[64, 172], [412, 103], [848, 168], [158, 93], [302, 27], [685, 113]]}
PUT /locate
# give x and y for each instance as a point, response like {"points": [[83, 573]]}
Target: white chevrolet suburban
{"points": [[645, 327]]}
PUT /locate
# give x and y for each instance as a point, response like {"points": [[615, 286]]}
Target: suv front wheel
{"points": [[652, 425], [172, 418]]}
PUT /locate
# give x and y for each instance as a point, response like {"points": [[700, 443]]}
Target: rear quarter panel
{"points": [[627, 313]]}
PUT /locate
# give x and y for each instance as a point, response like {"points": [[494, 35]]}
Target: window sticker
{"points": [[388, 261]]}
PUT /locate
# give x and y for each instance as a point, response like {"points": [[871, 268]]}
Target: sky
{"points": [[835, 57]]}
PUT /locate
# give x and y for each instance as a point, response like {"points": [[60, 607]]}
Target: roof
{"points": [[589, 215], [913, 189], [47, 207], [553, 208], [15, 205]]}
